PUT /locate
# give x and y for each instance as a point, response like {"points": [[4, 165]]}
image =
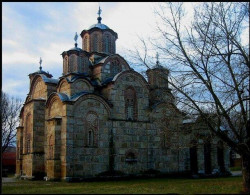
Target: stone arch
{"points": [[82, 85], [91, 129], [38, 88], [123, 65], [63, 86], [54, 106], [131, 73], [92, 96], [89, 111]]}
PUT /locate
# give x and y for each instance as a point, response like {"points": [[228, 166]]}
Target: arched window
{"points": [[85, 43], [95, 42], [115, 67], [107, 44], [65, 65], [90, 138], [91, 129], [130, 104]]}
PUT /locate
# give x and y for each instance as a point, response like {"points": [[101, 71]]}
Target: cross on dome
{"points": [[99, 13], [40, 62], [75, 38], [157, 59]]}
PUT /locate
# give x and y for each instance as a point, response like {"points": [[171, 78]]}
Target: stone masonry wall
{"points": [[85, 160]]}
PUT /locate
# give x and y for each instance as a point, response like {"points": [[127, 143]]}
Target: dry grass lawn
{"points": [[229, 185]]}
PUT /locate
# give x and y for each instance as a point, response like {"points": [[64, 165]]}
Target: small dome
{"points": [[158, 66], [99, 25], [76, 49]]}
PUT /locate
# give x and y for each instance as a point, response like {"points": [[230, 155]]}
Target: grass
{"points": [[235, 168], [229, 185]]}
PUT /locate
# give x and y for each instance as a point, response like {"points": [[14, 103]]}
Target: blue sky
{"points": [[31, 30]]}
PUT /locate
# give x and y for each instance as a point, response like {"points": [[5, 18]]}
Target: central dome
{"points": [[99, 38], [98, 25]]}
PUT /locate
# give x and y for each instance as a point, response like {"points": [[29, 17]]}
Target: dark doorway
{"points": [[207, 157], [193, 159], [220, 156]]}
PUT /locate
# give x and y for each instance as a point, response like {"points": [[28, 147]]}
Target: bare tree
{"points": [[10, 109], [209, 66]]}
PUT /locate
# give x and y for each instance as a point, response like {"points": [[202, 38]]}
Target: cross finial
{"points": [[157, 59], [99, 13], [75, 38], [40, 62]]}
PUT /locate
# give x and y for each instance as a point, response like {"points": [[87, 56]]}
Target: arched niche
{"points": [[55, 107], [64, 87], [82, 85], [38, 88]]}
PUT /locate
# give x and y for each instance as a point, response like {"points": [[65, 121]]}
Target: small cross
{"points": [[99, 12], [76, 36], [40, 62], [157, 58]]}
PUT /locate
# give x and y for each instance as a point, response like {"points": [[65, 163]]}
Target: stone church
{"points": [[102, 116]]}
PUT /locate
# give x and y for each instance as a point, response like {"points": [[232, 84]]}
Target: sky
{"points": [[31, 30]]}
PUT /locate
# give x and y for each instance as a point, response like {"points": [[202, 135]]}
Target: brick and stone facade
{"points": [[101, 116]]}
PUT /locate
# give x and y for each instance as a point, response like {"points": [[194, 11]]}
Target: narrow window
{"points": [[91, 132], [130, 104], [115, 67], [130, 108], [90, 138], [95, 43], [86, 43], [65, 65], [107, 44]]}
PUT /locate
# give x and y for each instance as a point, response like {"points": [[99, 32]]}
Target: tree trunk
{"points": [[246, 173]]}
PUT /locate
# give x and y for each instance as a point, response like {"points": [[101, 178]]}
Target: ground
{"points": [[227, 185]]}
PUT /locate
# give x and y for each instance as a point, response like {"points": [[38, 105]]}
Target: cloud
{"points": [[34, 30]]}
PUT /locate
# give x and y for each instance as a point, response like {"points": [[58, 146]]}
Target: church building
{"points": [[102, 116]]}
